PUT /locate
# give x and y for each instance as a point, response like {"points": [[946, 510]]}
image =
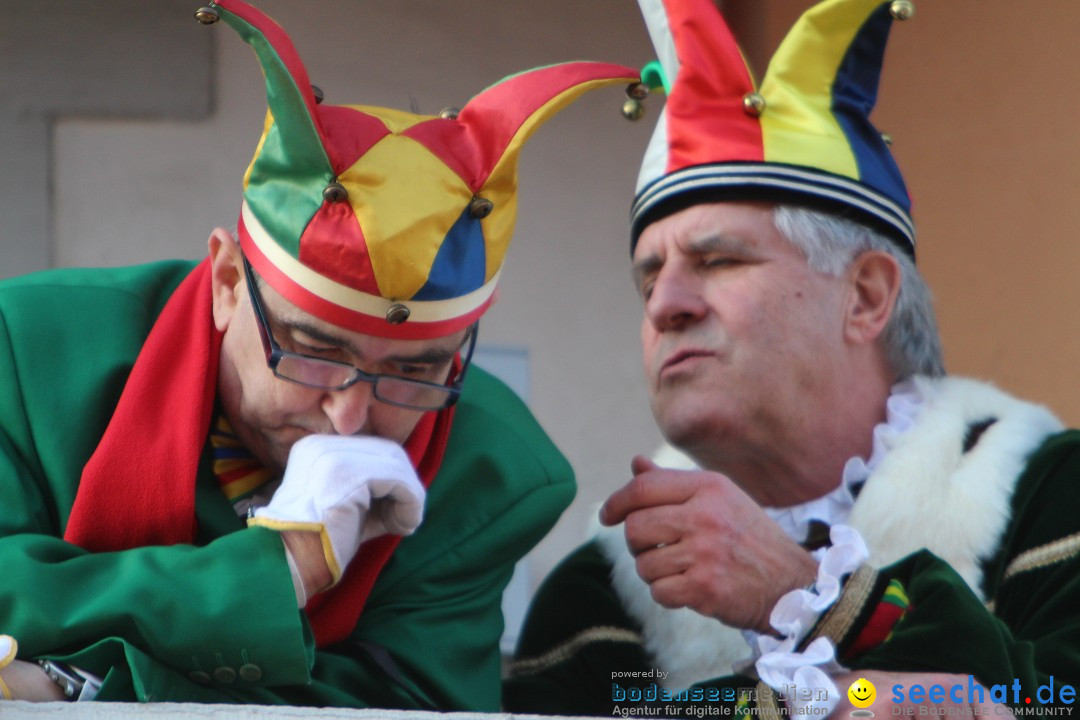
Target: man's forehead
{"points": [[707, 226]]}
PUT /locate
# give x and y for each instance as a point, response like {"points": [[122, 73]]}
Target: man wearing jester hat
{"points": [[207, 470], [855, 512]]}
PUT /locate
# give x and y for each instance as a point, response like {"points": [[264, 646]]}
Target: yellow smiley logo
{"points": [[862, 693]]}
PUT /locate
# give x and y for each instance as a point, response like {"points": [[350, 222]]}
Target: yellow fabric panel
{"points": [[383, 188], [798, 88]]}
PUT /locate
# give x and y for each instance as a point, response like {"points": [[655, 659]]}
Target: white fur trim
{"points": [[927, 493]]}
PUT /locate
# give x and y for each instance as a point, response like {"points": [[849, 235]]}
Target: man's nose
{"points": [[348, 409], [675, 300]]}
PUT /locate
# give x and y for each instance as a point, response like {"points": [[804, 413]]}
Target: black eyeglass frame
{"points": [[275, 354]]}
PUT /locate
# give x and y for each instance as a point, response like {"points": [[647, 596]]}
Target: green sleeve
{"points": [[427, 639], [194, 609], [1028, 628]]}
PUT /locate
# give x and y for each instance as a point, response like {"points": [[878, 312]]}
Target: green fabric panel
{"points": [[287, 179], [146, 618]]}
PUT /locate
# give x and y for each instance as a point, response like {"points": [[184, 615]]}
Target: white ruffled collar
{"points": [[902, 406]]}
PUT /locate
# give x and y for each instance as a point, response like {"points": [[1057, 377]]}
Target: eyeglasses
{"points": [[332, 375]]}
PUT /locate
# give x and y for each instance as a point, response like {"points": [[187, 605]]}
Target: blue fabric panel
{"points": [[460, 264]]}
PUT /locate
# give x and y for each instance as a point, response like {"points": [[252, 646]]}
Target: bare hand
{"points": [[884, 705], [27, 681], [702, 543]]}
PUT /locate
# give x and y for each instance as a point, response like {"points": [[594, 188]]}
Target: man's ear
{"points": [[874, 286], [226, 263]]}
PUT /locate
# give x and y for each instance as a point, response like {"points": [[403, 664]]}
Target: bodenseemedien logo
{"points": [[862, 694]]}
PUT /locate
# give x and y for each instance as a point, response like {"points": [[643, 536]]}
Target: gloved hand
{"points": [[8, 649], [348, 489]]}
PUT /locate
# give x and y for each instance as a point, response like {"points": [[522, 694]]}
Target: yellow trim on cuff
{"points": [[283, 525]]}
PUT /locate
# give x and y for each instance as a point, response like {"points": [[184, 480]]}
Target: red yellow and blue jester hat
{"points": [[382, 221], [804, 135]]}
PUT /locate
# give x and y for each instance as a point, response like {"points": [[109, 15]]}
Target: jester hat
{"points": [[382, 221], [803, 136]]}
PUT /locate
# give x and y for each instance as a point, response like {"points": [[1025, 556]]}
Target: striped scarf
{"points": [[238, 472]]}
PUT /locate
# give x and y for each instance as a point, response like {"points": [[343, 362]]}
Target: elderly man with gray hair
{"points": [[862, 530]]}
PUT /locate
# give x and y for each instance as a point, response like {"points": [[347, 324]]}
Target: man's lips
{"points": [[682, 355]]}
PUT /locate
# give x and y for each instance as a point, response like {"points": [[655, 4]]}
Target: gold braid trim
{"points": [[568, 648], [767, 706], [838, 621], [1043, 556]]}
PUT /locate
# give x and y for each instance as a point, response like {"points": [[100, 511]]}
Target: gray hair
{"points": [[830, 243]]}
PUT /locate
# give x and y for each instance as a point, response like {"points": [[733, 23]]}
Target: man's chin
{"points": [[683, 432]]}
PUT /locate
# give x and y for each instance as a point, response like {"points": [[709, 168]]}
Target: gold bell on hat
{"points": [[633, 109], [480, 207], [397, 314], [449, 113], [753, 104], [335, 192], [207, 15], [902, 9]]}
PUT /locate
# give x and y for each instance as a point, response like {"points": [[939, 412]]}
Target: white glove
{"points": [[348, 489], [8, 649]]}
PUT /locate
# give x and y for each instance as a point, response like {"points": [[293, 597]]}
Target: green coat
{"points": [[985, 546], [216, 621]]}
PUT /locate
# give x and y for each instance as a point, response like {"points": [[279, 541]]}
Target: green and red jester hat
{"points": [[803, 136], [382, 221]]}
